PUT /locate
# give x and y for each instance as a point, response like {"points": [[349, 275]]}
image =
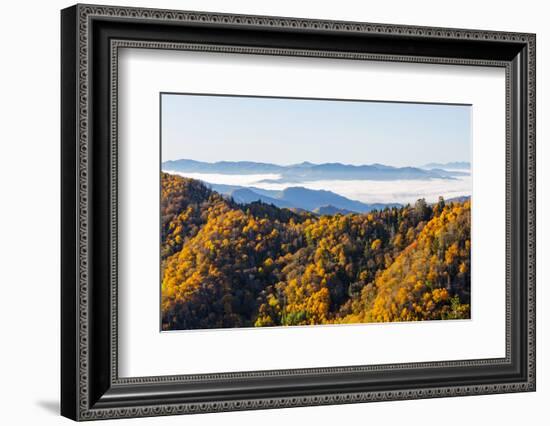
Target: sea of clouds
{"points": [[366, 191]]}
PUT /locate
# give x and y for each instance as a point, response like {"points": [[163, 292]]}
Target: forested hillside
{"points": [[226, 264]]}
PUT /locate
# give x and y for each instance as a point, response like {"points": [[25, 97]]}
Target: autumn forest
{"points": [[225, 263]]}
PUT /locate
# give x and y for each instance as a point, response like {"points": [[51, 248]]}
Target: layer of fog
{"points": [[396, 191], [366, 191], [241, 180]]}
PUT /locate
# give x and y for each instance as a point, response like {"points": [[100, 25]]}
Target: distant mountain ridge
{"points": [[460, 199], [298, 198], [307, 171], [330, 210], [456, 165], [222, 167]]}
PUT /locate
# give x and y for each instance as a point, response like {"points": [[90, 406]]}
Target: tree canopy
{"points": [[230, 265]]}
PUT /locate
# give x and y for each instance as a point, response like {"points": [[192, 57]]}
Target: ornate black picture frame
{"points": [[91, 387]]}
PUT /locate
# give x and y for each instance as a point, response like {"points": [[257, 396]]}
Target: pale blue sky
{"points": [[287, 131]]}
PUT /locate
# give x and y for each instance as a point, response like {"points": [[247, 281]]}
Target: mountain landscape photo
{"points": [[250, 238]]}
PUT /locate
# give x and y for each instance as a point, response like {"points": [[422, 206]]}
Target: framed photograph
{"points": [[263, 212]]}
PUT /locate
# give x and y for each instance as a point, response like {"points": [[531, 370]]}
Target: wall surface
{"points": [[29, 225]]}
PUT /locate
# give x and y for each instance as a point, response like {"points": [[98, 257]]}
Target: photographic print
{"points": [[305, 212]]}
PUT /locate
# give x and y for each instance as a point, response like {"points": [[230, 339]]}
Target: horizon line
{"points": [[319, 164]]}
